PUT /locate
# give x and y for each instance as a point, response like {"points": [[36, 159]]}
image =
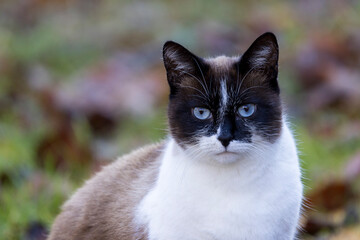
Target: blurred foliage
{"points": [[81, 82]]}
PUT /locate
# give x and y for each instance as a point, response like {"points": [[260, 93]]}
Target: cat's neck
{"points": [[181, 167]]}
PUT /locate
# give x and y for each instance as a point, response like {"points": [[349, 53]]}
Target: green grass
{"points": [[323, 159]]}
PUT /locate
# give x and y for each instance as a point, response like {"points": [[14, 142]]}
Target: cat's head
{"points": [[226, 107]]}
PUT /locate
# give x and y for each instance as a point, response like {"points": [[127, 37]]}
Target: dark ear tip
{"points": [[269, 34], [169, 44], [268, 37]]}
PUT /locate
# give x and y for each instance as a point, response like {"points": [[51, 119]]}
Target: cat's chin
{"points": [[210, 149], [227, 157]]}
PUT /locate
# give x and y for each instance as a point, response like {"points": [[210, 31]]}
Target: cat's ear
{"points": [[262, 58], [179, 63]]}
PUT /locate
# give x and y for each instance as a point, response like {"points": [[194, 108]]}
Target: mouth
{"points": [[226, 153]]}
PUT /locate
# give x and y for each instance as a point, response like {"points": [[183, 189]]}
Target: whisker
{"points": [[246, 90], [199, 81], [186, 86], [202, 74], [243, 78], [201, 97]]}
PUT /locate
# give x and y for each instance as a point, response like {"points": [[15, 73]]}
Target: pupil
{"points": [[201, 112]]}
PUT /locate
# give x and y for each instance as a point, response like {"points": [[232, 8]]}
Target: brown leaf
{"points": [[62, 148], [314, 225], [332, 196]]}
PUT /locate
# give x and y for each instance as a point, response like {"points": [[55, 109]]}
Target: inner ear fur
{"points": [[180, 63], [260, 61]]}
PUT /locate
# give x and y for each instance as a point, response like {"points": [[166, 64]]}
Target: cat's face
{"points": [[224, 108]]}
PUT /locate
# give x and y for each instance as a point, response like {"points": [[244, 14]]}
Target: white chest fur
{"points": [[256, 198]]}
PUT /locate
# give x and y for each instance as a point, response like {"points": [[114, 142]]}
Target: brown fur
{"points": [[104, 207]]}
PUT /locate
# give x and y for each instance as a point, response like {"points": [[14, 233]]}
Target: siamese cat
{"points": [[229, 169]]}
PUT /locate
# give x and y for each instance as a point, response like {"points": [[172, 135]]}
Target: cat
{"points": [[229, 169]]}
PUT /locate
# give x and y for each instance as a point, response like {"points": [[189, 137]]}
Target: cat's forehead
{"points": [[222, 72], [221, 65], [222, 62]]}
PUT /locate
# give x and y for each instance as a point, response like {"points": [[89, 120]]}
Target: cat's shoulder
{"points": [[137, 159], [136, 165], [107, 200]]}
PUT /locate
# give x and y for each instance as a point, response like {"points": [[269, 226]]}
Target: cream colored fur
{"points": [[104, 207]]}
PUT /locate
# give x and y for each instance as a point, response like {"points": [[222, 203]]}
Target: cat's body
{"points": [[229, 169], [196, 200]]}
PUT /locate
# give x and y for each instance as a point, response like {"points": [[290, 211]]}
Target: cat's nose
{"points": [[225, 139], [226, 132]]}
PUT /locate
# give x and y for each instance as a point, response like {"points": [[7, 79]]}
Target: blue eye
{"points": [[247, 110], [201, 113]]}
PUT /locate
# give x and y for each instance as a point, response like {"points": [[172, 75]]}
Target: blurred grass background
{"points": [[81, 82]]}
